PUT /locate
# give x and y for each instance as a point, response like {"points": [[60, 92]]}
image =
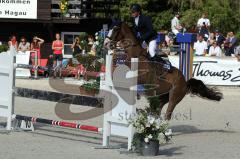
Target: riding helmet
{"points": [[136, 8]]}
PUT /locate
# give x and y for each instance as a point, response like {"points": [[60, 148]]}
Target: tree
{"points": [[223, 14]]}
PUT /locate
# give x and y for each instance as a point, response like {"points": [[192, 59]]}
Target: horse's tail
{"points": [[197, 87]]}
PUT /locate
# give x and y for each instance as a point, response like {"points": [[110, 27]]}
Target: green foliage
{"points": [[154, 103], [83, 41], [162, 20], [190, 17], [86, 60], [3, 48], [223, 14], [92, 86]]}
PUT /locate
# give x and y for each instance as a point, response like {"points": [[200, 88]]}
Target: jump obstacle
{"points": [[112, 123], [56, 123], [186, 53]]}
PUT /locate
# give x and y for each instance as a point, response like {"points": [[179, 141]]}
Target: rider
{"points": [[143, 29]]}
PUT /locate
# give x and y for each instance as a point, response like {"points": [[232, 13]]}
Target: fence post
{"points": [[36, 63]]}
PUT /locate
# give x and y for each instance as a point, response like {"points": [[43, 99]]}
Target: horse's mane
{"points": [[126, 26]]}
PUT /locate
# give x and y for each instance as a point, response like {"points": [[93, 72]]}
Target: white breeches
{"points": [[153, 48], [175, 31]]}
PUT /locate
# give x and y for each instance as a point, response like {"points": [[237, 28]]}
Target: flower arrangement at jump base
{"points": [[149, 131], [64, 6]]}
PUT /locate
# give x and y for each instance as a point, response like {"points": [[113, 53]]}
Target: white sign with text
{"points": [[23, 58], [18, 9], [214, 71]]}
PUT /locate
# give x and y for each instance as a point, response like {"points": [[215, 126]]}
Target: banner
{"points": [[23, 58], [18, 9], [213, 70]]}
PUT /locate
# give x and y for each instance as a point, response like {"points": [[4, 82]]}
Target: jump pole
{"points": [[57, 123]]}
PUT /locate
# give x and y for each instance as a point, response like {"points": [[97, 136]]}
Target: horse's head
{"points": [[114, 36], [122, 35]]}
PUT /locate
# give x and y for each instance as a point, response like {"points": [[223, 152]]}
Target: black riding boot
{"points": [[166, 64]]}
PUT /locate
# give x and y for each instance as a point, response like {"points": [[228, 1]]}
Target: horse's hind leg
{"points": [[163, 100], [175, 96]]}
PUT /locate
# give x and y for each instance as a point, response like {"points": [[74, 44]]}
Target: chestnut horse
{"points": [[171, 87]]}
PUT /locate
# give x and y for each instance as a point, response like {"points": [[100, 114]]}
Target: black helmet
{"points": [[136, 8]]}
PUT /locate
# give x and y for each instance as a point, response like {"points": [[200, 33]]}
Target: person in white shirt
{"points": [[175, 24], [204, 21], [200, 47], [23, 45], [203, 25], [215, 50]]}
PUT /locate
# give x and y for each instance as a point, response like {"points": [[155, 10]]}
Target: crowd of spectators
{"points": [[208, 43]]}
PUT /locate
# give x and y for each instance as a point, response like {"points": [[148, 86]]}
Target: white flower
{"points": [[97, 42], [150, 136], [157, 127], [146, 140], [151, 119], [96, 37], [158, 121], [148, 125], [96, 34]]}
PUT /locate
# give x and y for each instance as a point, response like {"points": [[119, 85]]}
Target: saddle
{"points": [[162, 60]]}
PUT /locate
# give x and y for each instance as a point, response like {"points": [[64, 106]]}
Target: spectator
{"points": [[175, 24], [76, 47], [165, 50], [13, 42], [203, 22], [215, 50], [210, 40], [203, 25], [91, 45], [35, 46], [237, 52], [226, 42], [23, 45], [167, 38], [200, 47], [231, 43], [219, 38], [57, 47]]}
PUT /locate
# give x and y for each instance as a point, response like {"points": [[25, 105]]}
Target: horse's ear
{"points": [[116, 22]]}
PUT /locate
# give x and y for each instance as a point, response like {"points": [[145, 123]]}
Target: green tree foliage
{"points": [[223, 14]]}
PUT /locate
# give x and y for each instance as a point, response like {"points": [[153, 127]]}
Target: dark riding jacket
{"points": [[144, 28]]}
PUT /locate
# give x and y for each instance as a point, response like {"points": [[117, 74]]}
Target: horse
{"points": [[171, 87]]}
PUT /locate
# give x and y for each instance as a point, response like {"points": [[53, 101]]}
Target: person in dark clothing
{"points": [[76, 47], [143, 29], [219, 38]]}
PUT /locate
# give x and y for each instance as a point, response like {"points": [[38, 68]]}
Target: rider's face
{"points": [[135, 14]]}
